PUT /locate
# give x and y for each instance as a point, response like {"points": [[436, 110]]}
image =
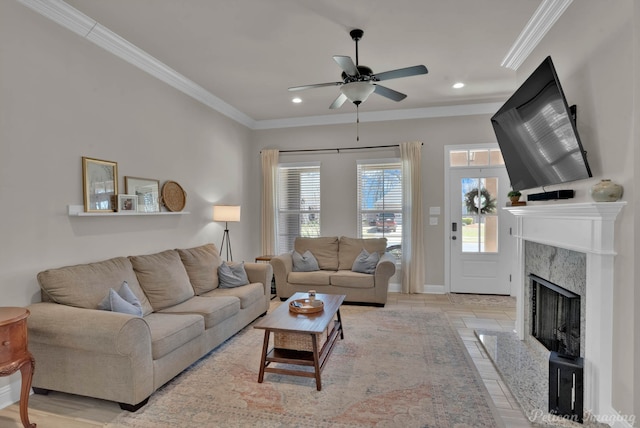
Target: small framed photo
{"points": [[147, 190], [99, 184], [127, 203]]}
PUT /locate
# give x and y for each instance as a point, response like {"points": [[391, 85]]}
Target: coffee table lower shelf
{"points": [[316, 358]]}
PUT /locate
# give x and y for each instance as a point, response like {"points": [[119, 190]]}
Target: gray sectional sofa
{"points": [[336, 257], [80, 349]]}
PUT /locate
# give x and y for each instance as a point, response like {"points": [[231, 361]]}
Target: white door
{"points": [[479, 231]]}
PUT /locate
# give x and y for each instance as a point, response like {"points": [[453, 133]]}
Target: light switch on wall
{"points": [[433, 221]]}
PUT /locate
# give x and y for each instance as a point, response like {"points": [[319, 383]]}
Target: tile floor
{"points": [[466, 312], [467, 317]]}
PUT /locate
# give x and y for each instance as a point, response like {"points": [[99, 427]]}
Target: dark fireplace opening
{"points": [[555, 317]]}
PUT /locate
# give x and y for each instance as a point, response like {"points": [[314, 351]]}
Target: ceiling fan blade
{"points": [[338, 101], [401, 72], [389, 93], [346, 63], [317, 85]]}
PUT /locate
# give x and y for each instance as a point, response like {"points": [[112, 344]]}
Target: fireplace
{"points": [[555, 317], [555, 323], [586, 228]]}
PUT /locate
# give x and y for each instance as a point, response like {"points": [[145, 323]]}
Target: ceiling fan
{"points": [[359, 81]]}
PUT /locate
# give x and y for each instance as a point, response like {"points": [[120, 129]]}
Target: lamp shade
{"points": [[226, 213], [357, 92]]}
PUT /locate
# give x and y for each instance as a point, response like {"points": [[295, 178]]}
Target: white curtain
{"points": [[269, 158], [413, 256]]}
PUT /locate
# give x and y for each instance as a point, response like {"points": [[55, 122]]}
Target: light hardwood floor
{"points": [[466, 312]]}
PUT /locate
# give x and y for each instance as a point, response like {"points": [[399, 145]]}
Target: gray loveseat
{"points": [[82, 350], [336, 257]]}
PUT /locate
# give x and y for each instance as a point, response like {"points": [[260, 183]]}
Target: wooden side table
{"points": [[14, 354], [267, 258]]}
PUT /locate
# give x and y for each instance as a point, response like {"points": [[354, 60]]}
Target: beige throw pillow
{"points": [[202, 265], [85, 285], [324, 249], [350, 248], [163, 278]]}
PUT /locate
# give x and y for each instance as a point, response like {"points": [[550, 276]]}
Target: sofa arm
{"points": [[260, 272], [88, 329], [90, 352], [386, 267], [282, 265]]}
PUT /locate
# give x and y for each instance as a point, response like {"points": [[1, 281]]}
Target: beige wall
{"points": [[338, 185], [593, 49], [61, 98]]}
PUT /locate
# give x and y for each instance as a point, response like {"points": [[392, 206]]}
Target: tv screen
{"points": [[537, 134]]}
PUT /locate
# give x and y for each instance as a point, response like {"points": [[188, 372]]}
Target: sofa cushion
{"points": [[214, 310], [320, 277], [163, 278], [324, 249], [232, 275], [170, 331], [366, 262], [122, 301], [201, 264], [349, 279], [248, 294], [304, 262], [350, 248], [84, 286]]}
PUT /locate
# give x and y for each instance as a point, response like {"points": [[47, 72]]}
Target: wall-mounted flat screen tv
{"points": [[537, 134]]}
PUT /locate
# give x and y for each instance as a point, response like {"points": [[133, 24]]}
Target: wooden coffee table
{"points": [[282, 320]]}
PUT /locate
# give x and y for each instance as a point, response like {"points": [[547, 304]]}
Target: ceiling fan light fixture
{"points": [[357, 92]]}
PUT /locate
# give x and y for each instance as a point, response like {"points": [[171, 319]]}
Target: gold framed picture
{"points": [[99, 184]]}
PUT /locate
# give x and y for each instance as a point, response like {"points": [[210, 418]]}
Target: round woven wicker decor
{"points": [[173, 196]]}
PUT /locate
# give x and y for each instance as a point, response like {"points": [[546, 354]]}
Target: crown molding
{"points": [[542, 20], [74, 20], [86, 27], [380, 116]]}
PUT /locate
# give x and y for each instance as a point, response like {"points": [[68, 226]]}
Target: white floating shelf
{"points": [[78, 211]]}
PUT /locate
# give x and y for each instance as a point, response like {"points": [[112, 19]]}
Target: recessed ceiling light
{"points": [[458, 85], [296, 100]]}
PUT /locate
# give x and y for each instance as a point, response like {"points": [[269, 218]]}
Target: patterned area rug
{"points": [[393, 369]]}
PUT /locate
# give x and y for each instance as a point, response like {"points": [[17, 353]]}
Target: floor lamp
{"points": [[226, 213]]}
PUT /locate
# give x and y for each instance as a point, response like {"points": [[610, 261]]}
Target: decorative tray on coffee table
{"points": [[306, 306]]}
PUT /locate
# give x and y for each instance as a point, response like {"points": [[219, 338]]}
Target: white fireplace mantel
{"points": [[588, 228]]}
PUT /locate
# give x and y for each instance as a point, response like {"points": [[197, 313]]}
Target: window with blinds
{"points": [[380, 202], [298, 204]]}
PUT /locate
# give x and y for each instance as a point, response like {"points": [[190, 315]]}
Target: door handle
{"points": [[454, 227]]}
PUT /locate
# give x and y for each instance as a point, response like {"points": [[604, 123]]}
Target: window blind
{"points": [[380, 201], [298, 204]]}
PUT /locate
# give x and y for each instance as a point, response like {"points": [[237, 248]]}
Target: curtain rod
{"points": [[337, 150]]}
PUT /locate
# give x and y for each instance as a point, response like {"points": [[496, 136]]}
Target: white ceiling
{"points": [[248, 52]]}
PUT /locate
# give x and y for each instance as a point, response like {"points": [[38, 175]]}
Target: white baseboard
{"points": [[10, 393], [426, 288]]}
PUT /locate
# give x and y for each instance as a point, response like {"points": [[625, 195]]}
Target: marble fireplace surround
{"points": [[587, 228]]}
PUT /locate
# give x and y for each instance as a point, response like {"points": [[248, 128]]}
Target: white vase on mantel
{"points": [[606, 191]]}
